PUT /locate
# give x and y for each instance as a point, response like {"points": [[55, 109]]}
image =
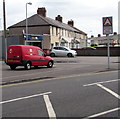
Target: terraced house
{"points": [[51, 32]]}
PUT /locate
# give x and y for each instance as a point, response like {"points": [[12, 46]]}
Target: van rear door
{"points": [[14, 54]]}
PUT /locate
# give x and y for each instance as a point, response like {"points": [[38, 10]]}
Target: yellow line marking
{"points": [[64, 77]]}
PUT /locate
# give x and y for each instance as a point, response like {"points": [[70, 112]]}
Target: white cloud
{"points": [[119, 18], [87, 14]]}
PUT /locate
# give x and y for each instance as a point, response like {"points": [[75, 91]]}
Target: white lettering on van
{"points": [[31, 51], [10, 50]]}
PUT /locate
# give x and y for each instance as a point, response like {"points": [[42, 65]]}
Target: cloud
{"points": [[119, 18], [87, 14]]}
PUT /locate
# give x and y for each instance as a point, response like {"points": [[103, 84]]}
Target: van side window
{"points": [[40, 53]]}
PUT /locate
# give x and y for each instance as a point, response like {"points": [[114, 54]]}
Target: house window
{"points": [[68, 34], [62, 32], [52, 31], [56, 44], [52, 46], [56, 31], [65, 32]]}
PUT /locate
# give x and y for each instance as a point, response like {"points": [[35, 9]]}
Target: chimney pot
{"points": [[71, 23], [92, 36], [41, 11], [99, 35], [58, 18], [115, 33]]}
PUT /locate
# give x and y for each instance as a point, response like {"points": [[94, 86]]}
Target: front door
{"points": [[41, 58]]}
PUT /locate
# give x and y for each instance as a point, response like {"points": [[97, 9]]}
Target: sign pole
{"points": [[108, 50], [107, 29]]}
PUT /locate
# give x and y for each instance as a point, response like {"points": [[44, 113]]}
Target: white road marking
{"points": [[50, 109], [31, 96], [102, 82], [102, 113], [109, 91]]}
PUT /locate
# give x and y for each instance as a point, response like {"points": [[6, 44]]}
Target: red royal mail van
{"points": [[27, 56]]}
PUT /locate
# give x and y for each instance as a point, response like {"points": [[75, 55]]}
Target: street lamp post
{"points": [[29, 3]]}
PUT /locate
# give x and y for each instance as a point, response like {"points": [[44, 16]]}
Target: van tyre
{"points": [[28, 66], [50, 64], [12, 67]]}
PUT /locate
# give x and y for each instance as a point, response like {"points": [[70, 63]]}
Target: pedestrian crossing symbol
{"points": [[107, 25], [107, 22]]}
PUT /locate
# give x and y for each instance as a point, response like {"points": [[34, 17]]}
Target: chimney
{"points": [[99, 35], [71, 23], [115, 33], [58, 18], [41, 11], [92, 36]]}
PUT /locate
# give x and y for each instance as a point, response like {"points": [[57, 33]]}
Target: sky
{"points": [[86, 14]]}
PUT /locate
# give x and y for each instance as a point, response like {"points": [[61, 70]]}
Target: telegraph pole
{"points": [[5, 32], [4, 19]]}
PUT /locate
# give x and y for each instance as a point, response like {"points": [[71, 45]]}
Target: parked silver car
{"points": [[62, 51]]}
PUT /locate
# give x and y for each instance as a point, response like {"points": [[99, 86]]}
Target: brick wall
{"points": [[100, 51]]}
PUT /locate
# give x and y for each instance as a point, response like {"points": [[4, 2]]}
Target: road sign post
{"points": [[108, 50], [108, 29]]}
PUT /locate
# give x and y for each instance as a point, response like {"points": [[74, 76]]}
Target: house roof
{"points": [[38, 20], [106, 37], [80, 31]]}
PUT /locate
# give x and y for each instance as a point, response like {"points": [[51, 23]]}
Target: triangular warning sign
{"points": [[107, 22]]}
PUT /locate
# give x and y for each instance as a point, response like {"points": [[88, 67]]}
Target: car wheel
{"points": [[69, 55], [28, 66], [52, 54], [50, 64], [12, 67]]}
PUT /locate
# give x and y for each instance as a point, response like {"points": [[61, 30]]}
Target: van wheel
{"points": [[50, 64], [69, 55], [28, 66], [12, 67]]}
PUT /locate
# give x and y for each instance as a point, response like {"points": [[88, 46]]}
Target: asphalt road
{"points": [[94, 94], [77, 87], [63, 67]]}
